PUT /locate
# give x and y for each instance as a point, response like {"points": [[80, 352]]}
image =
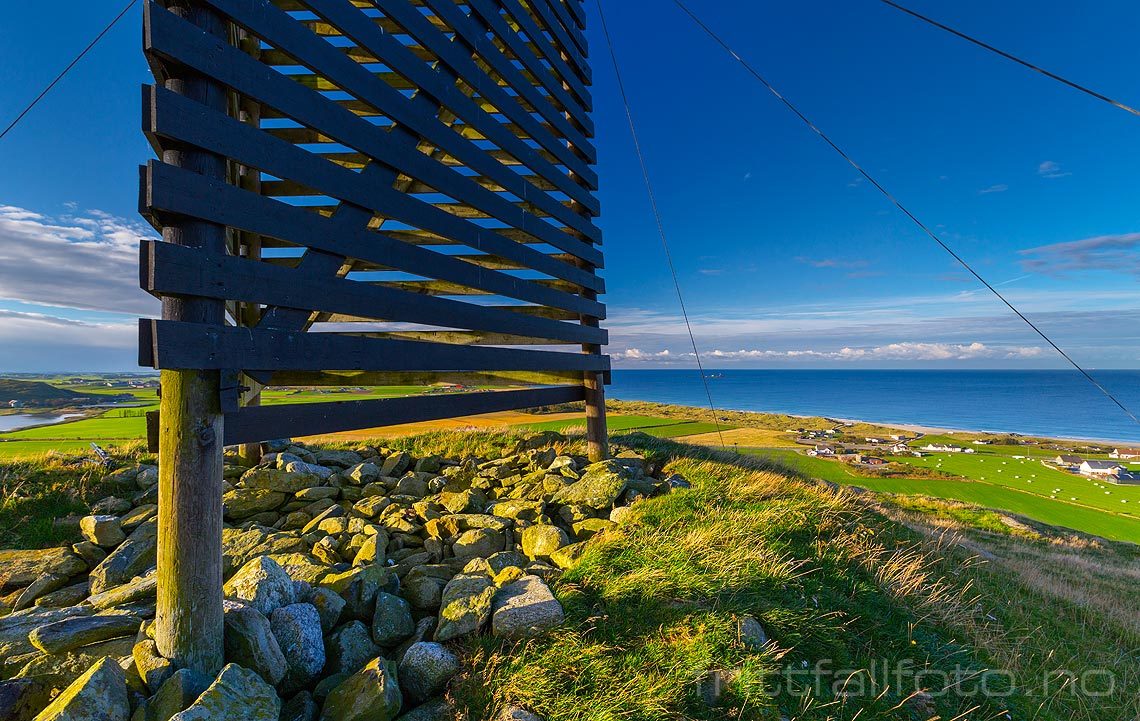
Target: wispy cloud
{"points": [[999, 188], [87, 261], [1112, 253], [44, 343], [1051, 170], [833, 262], [916, 352]]}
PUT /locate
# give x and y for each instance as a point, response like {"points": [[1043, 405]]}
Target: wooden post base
{"points": [[189, 624]]}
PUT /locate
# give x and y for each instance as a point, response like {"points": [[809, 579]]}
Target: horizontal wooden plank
{"points": [[176, 345], [364, 379], [176, 117], [178, 270], [261, 423], [173, 190], [566, 35]]}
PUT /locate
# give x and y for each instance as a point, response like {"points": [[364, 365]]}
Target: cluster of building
{"points": [[1110, 471]]}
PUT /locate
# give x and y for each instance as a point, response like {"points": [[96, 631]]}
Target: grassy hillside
{"points": [[36, 393], [869, 608]]}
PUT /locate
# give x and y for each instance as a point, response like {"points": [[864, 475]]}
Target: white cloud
{"points": [[37, 342], [87, 261], [1051, 170], [917, 352], [999, 188]]}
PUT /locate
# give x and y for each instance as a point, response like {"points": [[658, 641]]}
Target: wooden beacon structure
{"points": [[356, 192]]}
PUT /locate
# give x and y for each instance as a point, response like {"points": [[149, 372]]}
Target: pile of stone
{"points": [[346, 572]]}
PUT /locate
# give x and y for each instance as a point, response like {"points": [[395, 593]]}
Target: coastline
{"points": [[903, 426]]}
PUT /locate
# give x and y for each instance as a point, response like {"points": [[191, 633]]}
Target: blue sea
{"points": [[1054, 403]]}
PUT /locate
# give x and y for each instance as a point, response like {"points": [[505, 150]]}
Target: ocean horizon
{"points": [[1055, 403]]}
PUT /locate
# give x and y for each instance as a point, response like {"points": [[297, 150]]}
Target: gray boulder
{"points": [[236, 693], [98, 695], [349, 648], [371, 694], [298, 631], [22, 698], [598, 489], [249, 642], [465, 605], [175, 695], [392, 621], [132, 558], [540, 541], [426, 669], [65, 635], [263, 584], [525, 608], [103, 531]]}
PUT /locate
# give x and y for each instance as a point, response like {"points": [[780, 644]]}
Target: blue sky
{"points": [[785, 257]]}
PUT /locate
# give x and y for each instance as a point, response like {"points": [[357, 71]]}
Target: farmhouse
{"points": [[822, 451], [943, 448], [1123, 453], [1066, 460], [15, 404], [1101, 469]]}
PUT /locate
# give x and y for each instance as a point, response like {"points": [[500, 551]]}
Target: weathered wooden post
{"points": [[188, 617]]}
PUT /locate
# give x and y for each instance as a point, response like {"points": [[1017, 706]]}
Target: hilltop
{"points": [[37, 394], [732, 588]]}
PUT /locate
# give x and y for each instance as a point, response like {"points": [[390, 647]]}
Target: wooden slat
{"points": [[396, 55], [171, 37], [489, 11], [185, 193], [261, 423], [569, 26], [462, 63], [178, 118], [282, 31], [168, 344], [299, 379], [172, 270]]}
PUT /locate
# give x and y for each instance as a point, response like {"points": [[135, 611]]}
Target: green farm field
{"points": [[1099, 519]]}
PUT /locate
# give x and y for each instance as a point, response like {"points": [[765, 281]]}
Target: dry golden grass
{"points": [[746, 437]]}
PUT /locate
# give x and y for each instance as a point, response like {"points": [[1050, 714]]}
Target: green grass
{"points": [[34, 493], [1005, 493], [1033, 477], [652, 609], [615, 423]]}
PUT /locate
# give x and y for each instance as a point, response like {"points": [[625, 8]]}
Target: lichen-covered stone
{"points": [[241, 503], [21, 699], [274, 479], [392, 621], [236, 693], [525, 608], [371, 694], [301, 707], [63, 636], [329, 605], [103, 531], [298, 632], [100, 694], [263, 584], [542, 540], [598, 488], [175, 695], [479, 542], [426, 669], [349, 648], [133, 557], [250, 643], [465, 605], [153, 669], [21, 568]]}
